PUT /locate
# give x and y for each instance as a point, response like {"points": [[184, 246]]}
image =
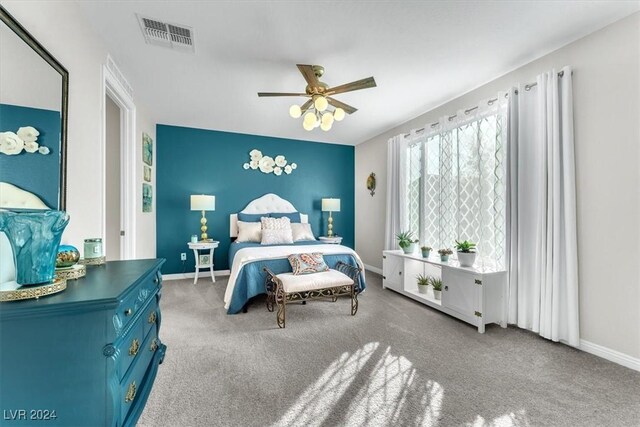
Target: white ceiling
{"points": [[421, 54]]}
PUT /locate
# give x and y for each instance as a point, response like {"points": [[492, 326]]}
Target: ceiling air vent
{"points": [[178, 37]]}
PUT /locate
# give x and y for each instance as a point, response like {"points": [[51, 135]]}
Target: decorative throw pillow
{"points": [[275, 223], [293, 216], [244, 217], [249, 232], [302, 232], [276, 231], [276, 237], [307, 263]]}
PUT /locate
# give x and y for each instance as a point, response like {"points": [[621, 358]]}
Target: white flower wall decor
{"points": [[25, 139], [267, 164]]}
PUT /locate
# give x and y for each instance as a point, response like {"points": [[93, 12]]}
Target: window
{"points": [[456, 183]]}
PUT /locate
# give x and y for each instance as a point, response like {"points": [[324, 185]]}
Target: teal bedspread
{"points": [[251, 278]]}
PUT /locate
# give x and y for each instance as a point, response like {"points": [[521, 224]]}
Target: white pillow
{"points": [[302, 231], [268, 223], [276, 237], [249, 232], [276, 231]]}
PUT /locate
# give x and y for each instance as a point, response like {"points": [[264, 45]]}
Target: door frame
{"points": [[112, 87]]}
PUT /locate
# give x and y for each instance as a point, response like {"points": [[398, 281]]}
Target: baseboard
{"points": [[191, 275], [373, 269], [611, 355]]}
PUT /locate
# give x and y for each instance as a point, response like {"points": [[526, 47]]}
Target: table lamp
{"points": [[330, 205], [200, 202]]}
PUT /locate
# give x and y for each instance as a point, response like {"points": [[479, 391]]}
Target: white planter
{"points": [[437, 294], [410, 249], [423, 289], [466, 259]]}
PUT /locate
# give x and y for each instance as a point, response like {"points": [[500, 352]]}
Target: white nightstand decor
{"points": [[203, 203], [203, 260], [330, 205], [334, 240]]}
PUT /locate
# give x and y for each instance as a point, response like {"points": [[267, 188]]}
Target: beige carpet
{"points": [[395, 363]]}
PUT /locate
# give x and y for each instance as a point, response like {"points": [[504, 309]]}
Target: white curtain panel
{"points": [[541, 209], [456, 180], [396, 218]]}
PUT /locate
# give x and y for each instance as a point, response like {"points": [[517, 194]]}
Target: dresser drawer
{"points": [[151, 316], [131, 386], [133, 302], [130, 346]]}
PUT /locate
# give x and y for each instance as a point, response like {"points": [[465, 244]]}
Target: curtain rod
{"points": [[527, 87]]}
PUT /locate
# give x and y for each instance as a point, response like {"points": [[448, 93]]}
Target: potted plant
{"points": [[436, 284], [407, 242], [444, 254], [466, 253], [425, 251], [423, 283]]}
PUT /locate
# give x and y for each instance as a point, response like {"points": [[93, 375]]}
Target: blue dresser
{"points": [[87, 356]]}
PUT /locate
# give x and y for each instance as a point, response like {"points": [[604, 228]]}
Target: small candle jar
{"points": [[92, 248], [194, 238]]}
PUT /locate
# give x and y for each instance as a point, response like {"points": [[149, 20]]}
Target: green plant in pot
{"points": [[425, 251], [466, 253], [436, 284], [407, 242], [444, 254], [423, 283]]}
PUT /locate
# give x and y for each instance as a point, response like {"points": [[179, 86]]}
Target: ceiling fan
{"points": [[315, 110]]}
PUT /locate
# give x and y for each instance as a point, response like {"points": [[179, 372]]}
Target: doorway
{"points": [[119, 162], [114, 227]]}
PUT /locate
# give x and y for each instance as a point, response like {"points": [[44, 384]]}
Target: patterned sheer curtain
{"points": [[456, 181]]}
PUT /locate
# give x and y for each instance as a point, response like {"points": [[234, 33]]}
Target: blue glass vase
{"points": [[34, 237]]}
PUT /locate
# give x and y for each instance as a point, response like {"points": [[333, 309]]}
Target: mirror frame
{"points": [[25, 36]]}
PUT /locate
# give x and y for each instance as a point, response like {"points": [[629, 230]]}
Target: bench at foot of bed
{"points": [[285, 288]]}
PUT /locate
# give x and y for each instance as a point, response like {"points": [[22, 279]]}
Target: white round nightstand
{"points": [[335, 240], [204, 260]]}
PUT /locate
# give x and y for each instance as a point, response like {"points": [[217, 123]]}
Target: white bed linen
{"points": [[247, 255]]}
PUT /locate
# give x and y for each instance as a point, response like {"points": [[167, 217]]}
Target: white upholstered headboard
{"points": [[12, 197], [262, 205]]}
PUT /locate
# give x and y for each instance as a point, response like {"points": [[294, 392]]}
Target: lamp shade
{"points": [[331, 205], [200, 202]]}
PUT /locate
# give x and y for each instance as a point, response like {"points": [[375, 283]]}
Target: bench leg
{"points": [[280, 316], [354, 301]]}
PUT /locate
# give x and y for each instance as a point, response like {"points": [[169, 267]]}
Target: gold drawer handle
{"points": [[131, 393], [128, 312], [135, 346], [154, 345], [152, 317]]}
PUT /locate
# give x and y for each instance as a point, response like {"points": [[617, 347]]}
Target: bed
{"points": [[248, 259]]}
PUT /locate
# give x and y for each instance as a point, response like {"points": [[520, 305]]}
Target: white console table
{"points": [[476, 295]]}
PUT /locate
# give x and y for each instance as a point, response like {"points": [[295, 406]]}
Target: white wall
{"points": [[607, 135], [63, 30]]}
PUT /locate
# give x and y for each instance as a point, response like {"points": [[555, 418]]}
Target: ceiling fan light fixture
{"points": [[327, 118], [308, 126], [295, 111], [338, 115], [325, 126], [310, 118], [321, 103]]}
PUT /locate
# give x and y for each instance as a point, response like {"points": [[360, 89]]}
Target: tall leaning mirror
{"points": [[33, 120]]}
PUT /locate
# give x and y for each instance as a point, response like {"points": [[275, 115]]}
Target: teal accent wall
{"points": [[33, 172], [197, 161]]}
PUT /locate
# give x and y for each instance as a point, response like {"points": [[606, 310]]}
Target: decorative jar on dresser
{"points": [[87, 356]]}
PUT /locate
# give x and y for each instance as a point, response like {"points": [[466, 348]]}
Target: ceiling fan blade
{"points": [[281, 94], [309, 75], [347, 108], [357, 85], [304, 107]]}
